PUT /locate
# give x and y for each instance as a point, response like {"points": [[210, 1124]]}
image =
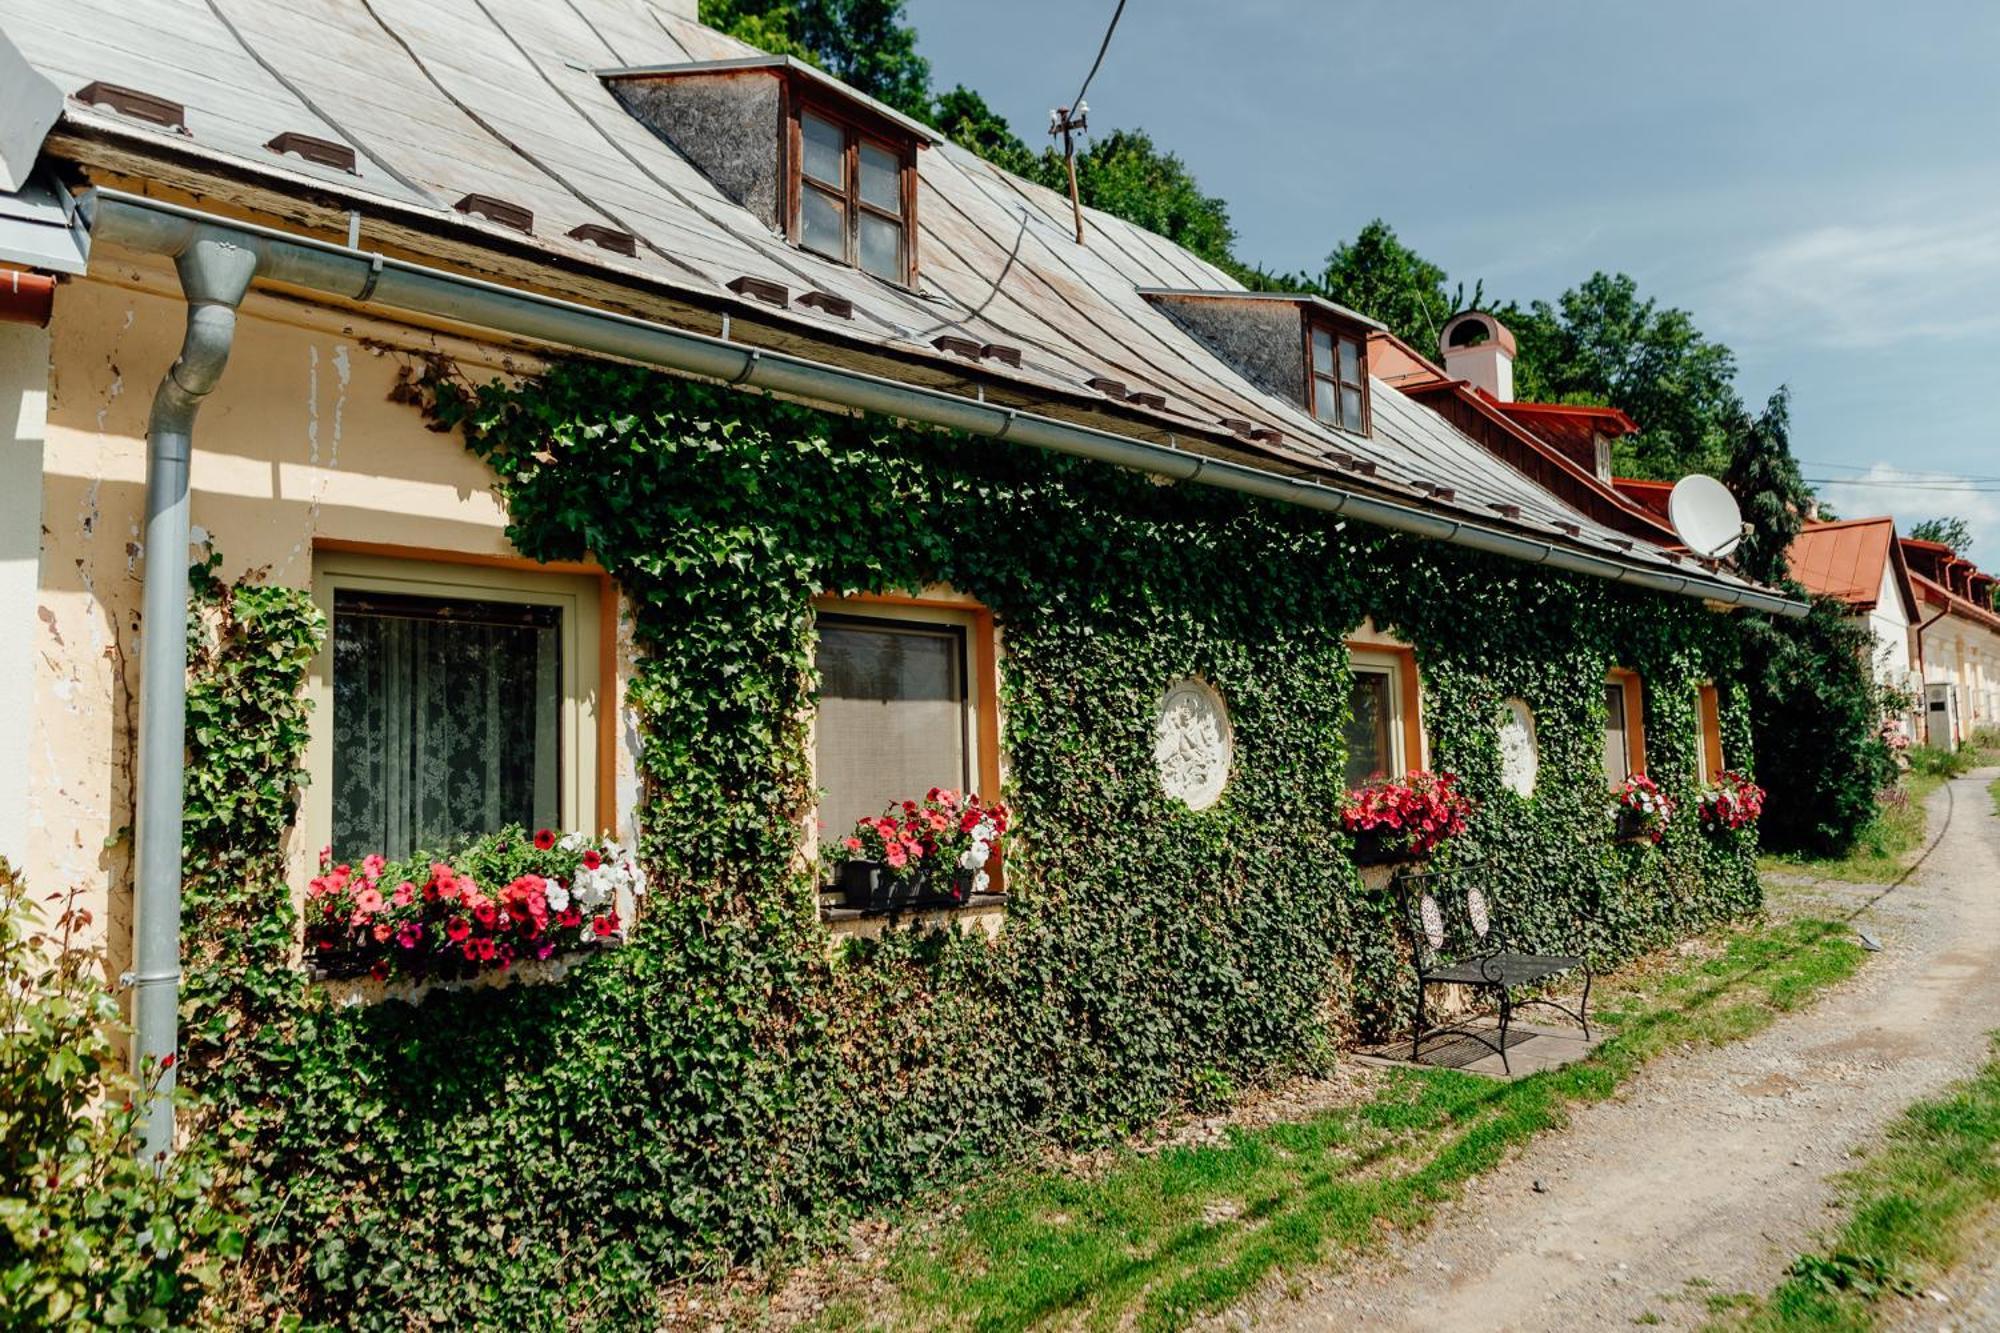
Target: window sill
{"points": [[983, 911]]}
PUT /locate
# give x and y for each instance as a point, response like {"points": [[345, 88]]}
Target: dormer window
{"points": [[853, 195], [1339, 369], [832, 170]]}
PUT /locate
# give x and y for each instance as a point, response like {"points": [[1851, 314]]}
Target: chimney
{"points": [[1479, 348]]}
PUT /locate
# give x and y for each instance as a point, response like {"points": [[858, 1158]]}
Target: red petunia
{"points": [[604, 925], [591, 859], [457, 929], [545, 839], [570, 916]]}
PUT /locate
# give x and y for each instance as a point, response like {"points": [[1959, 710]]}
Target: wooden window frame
{"points": [[1406, 732], [982, 693], [1635, 719], [588, 776], [1340, 331], [799, 102], [1708, 721]]}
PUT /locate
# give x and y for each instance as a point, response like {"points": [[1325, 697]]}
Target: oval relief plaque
{"points": [[1193, 746], [1519, 759]]}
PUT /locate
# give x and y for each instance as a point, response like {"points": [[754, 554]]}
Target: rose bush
{"points": [[499, 900]]}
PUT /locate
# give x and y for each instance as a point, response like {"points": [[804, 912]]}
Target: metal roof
{"points": [[791, 64], [503, 98], [40, 229]]}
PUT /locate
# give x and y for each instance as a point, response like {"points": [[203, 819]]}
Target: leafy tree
{"points": [[1126, 175], [1953, 532], [1765, 479], [1602, 342], [864, 43], [1379, 276], [962, 116]]}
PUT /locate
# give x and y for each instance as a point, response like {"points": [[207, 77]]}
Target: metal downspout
{"points": [[215, 270]]}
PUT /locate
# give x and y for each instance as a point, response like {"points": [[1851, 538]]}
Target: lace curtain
{"points": [[892, 716], [446, 720]]}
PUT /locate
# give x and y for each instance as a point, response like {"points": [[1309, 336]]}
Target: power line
{"points": [[1103, 46], [1915, 473], [1970, 487]]}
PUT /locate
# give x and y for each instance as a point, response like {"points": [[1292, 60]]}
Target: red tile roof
{"points": [[1936, 594], [1570, 424]]}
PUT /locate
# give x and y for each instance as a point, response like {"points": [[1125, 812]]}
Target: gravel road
{"points": [[1711, 1171]]}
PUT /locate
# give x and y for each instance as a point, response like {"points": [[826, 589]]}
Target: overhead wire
{"points": [[1098, 63]]}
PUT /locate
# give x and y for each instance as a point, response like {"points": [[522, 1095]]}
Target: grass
{"points": [[1887, 843], [1993, 790], [1911, 1206], [1155, 1241]]}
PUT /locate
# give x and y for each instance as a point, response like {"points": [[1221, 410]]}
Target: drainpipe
{"points": [[1923, 672], [215, 270], [26, 298]]}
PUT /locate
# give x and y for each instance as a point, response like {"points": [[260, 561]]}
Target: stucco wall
{"points": [[299, 443]]}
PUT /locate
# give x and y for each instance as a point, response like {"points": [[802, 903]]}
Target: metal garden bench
{"points": [[1457, 938]]}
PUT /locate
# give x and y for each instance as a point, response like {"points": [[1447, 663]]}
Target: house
{"points": [[1957, 641], [1861, 563], [609, 428]]}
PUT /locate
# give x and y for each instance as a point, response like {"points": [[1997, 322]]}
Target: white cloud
{"points": [[1914, 496], [1864, 285]]}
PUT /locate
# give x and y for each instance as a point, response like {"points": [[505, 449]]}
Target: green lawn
{"points": [[1887, 845], [1157, 1240], [1910, 1208]]}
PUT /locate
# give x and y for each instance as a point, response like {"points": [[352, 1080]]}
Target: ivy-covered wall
{"points": [[538, 1154]]}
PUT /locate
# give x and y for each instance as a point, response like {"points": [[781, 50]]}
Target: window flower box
{"points": [[1732, 801], [502, 899], [928, 853], [1640, 810], [1398, 820]]}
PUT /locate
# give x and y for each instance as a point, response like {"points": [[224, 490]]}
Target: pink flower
{"points": [[410, 935], [369, 899], [404, 895], [852, 844], [372, 866]]}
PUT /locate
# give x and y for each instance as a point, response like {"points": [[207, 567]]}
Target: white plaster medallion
{"points": [[1519, 760], [1193, 746]]}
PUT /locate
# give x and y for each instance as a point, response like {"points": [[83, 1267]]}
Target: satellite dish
{"points": [[1705, 515]]}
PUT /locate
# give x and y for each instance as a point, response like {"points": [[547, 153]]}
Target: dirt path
{"points": [[1709, 1174]]}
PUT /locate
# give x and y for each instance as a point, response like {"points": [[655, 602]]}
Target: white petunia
{"points": [[573, 842], [980, 881], [558, 896]]}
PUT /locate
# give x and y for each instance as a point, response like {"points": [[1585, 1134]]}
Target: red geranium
{"points": [[1414, 814]]}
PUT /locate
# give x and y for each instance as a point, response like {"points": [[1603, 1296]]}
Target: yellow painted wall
{"points": [[299, 442]]}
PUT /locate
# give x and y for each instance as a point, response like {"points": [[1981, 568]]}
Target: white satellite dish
{"points": [[1705, 515]]}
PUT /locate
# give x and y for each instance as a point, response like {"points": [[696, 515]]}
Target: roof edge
{"points": [[790, 64], [1303, 299]]}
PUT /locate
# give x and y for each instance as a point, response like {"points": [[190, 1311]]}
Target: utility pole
{"points": [[1062, 122]]}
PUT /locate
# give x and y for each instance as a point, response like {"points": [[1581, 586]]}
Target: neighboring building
{"points": [[1860, 562], [1957, 641]]}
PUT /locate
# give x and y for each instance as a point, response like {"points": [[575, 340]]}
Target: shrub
{"points": [[1935, 761], [89, 1236]]}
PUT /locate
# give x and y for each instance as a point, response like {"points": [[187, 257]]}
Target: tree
{"points": [[1384, 279], [1601, 342], [1765, 479], [963, 117], [1126, 175], [866, 44], [1953, 532]]}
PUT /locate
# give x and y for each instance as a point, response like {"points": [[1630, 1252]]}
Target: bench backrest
{"points": [[1451, 914]]}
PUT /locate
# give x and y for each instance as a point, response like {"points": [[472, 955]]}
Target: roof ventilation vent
{"points": [[1439, 492], [965, 347], [139, 106], [837, 306], [1506, 510], [607, 238], [1156, 401], [760, 289], [1107, 386], [1571, 528], [320, 152], [1267, 435], [1001, 352], [498, 211], [1234, 425]]}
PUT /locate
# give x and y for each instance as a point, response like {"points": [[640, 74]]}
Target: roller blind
{"points": [[893, 716]]}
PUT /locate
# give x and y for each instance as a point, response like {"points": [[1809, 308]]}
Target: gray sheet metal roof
{"points": [[441, 98], [40, 229]]}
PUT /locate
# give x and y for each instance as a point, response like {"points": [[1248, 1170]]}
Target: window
{"points": [[1339, 374], [1624, 738], [1708, 711], [854, 196], [1382, 732], [452, 701], [906, 703]]}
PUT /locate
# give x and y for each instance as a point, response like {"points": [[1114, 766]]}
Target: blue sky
{"points": [[1817, 182]]}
